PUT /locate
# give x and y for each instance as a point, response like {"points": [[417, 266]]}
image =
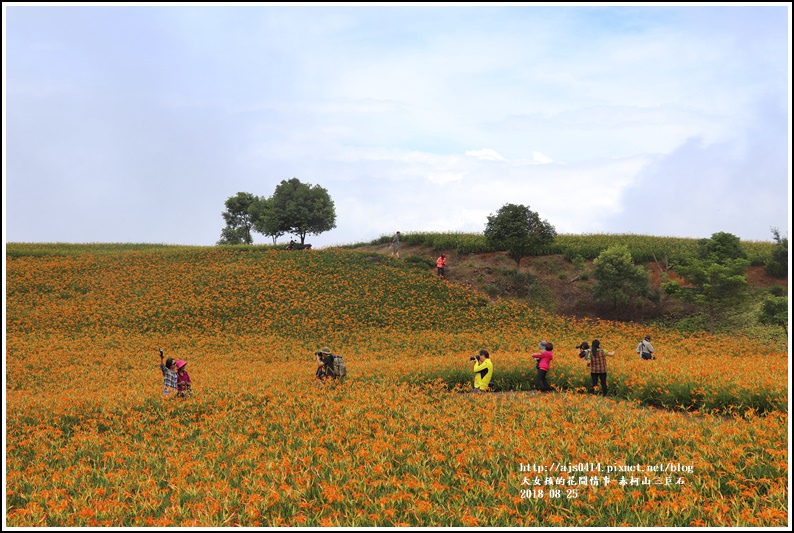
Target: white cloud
{"points": [[541, 159], [486, 154]]}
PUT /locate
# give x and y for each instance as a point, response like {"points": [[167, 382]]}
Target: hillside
{"points": [[552, 283], [233, 290], [92, 441]]}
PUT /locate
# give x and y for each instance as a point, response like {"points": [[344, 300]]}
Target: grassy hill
{"points": [[235, 290]]}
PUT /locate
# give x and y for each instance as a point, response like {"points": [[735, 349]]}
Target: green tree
{"points": [[230, 235], [267, 219], [777, 266], [520, 231], [716, 280], [617, 279], [774, 312], [239, 219], [302, 209], [720, 247], [716, 288]]}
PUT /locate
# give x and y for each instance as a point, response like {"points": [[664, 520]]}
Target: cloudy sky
{"points": [[136, 123]]}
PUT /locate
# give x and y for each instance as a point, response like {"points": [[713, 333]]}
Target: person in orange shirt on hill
{"points": [[441, 264]]}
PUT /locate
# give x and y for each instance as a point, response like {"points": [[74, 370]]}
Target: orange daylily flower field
{"points": [[698, 437]]}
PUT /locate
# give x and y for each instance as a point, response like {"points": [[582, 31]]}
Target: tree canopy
{"points": [[239, 219], [717, 284], [295, 207], [520, 231], [618, 280], [777, 265], [302, 208], [267, 219], [721, 246], [774, 312]]}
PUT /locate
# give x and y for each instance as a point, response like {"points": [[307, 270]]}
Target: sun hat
{"points": [[180, 363], [326, 349]]}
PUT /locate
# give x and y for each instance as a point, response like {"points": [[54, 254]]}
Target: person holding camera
{"points": [[584, 352], [598, 367], [483, 371], [330, 365], [544, 364], [168, 368], [320, 373], [325, 362]]}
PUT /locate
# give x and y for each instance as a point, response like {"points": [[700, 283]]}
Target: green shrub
{"points": [[777, 264], [491, 290], [777, 290]]}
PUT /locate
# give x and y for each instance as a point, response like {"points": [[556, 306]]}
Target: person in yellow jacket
{"points": [[483, 371]]}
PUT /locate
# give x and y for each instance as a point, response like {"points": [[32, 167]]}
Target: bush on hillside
{"points": [[777, 265]]}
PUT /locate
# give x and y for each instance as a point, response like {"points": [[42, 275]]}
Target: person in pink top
{"points": [[441, 264], [182, 379], [544, 359]]}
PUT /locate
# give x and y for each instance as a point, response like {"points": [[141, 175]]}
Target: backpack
{"points": [[338, 368]]}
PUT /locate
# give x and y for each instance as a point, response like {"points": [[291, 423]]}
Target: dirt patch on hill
{"points": [[757, 277]]}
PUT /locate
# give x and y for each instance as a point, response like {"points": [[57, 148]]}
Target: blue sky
{"points": [[136, 123]]}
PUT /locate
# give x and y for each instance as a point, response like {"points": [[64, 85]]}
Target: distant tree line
{"points": [[295, 208]]}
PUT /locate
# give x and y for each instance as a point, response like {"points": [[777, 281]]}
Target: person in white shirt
{"points": [[645, 349]]}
